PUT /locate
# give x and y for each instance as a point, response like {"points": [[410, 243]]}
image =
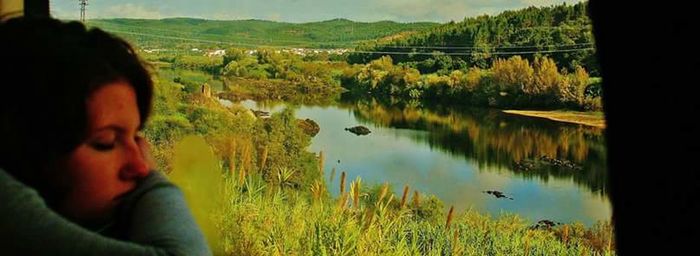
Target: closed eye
{"points": [[102, 146]]}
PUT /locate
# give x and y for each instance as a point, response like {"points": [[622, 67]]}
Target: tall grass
{"points": [[260, 221]]}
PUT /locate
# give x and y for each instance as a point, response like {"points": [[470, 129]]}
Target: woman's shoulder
{"points": [[14, 192]]}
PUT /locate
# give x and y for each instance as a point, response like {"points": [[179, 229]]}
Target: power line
{"points": [[479, 47], [473, 52], [369, 52], [378, 52]]}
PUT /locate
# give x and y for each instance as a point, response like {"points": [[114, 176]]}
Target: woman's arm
{"points": [[161, 224]]}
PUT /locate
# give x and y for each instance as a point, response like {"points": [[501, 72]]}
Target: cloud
{"points": [[130, 10], [440, 10], [229, 16]]}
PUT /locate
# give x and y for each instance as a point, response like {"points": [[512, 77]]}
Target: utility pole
{"points": [[83, 3]]}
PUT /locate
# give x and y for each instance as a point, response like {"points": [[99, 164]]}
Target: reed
{"points": [[449, 217], [416, 199], [321, 161], [404, 196], [263, 158], [342, 183], [342, 201], [317, 190], [456, 249], [355, 187], [232, 158], [241, 175], [369, 217], [527, 243], [332, 175], [382, 193], [246, 157]]}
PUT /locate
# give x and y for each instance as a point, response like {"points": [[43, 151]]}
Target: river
{"points": [[457, 154]]}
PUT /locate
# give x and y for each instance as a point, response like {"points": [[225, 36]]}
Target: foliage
{"points": [[508, 83], [477, 40], [203, 63]]}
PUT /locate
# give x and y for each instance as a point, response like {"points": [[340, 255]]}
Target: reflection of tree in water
{"points": [[493, 139]]}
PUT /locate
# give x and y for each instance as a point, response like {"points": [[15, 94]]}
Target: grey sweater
{"points": [[152, 220]]}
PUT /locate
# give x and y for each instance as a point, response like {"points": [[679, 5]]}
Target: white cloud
{"points": [[443, 10], [229, 16], [130, 10]]}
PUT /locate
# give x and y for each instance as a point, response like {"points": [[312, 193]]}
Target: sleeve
{"points": [[29, 227], [156, 213]]}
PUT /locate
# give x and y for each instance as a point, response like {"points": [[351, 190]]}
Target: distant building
{"points": [[216, 53], [153, 50]]}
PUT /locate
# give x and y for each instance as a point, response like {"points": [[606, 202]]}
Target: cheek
{"points": [[92, 176], [88, 166]]}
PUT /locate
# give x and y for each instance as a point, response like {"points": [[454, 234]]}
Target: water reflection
{"points": [[493, 139]]}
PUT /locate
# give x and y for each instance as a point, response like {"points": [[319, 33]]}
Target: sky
{"points": [[296, 11]]}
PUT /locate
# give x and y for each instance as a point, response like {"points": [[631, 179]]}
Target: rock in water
{"points": [[261, 114], [359, 130], [309, 127], [497, 194]]}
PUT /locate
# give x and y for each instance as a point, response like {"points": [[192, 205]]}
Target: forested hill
{"points": [[337, 33], [559, 32]]}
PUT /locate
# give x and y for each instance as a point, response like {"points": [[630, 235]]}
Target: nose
{"points": [[136, 166]]}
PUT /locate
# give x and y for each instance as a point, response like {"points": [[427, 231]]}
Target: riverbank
{"points": [[595, 119]]}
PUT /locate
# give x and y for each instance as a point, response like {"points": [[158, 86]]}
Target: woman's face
{"points": [[109, 162]]}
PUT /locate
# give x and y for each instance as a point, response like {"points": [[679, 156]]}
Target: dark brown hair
{"points": [[49, 70]]}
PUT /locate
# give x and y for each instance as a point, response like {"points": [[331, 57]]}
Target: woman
{"points": [[75, 175]]}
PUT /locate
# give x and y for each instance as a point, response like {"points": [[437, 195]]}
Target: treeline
{"points": [[559, 32], [509, 83], [263, 74], [515, 82]]}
